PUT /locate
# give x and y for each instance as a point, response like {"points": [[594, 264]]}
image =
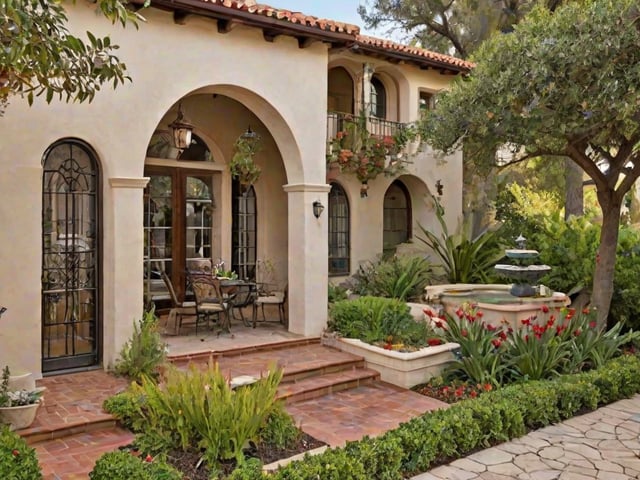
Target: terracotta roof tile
{"points": [[327, 25], [287, 15], [411, 50]]}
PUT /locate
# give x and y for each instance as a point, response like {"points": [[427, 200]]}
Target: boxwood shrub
{"points": [[18, 461], [122, 465]]}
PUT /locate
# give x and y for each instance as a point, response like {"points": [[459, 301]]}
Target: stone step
{"points": [[316, 386]]}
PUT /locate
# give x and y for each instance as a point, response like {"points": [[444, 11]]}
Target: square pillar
{"points": [[308, 258], [123, 266]]}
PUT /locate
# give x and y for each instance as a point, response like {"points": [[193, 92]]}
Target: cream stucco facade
{"points": [[225, 82]]}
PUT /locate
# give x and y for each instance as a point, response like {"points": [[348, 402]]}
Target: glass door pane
{"points": [[158, 236], [198, 211]]}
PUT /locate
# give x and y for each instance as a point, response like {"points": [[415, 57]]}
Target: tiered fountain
{"points": [[522, 270], [500, 304]]}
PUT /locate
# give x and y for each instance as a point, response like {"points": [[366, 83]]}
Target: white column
{"points": [[123, 267], [308, 258]]}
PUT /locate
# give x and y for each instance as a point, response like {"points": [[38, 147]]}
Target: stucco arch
{"points": [[273, 120]]}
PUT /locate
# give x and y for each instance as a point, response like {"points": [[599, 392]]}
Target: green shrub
{"points": [[18, 461], [280, 430], [144, 351], [125, 406], [124, 466], [336, 293], [199, 408], [402, 277], [250, 470], [377, 319], [380, 458], [333, 464]]}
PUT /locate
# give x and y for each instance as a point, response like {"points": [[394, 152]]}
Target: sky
{"points": [[341, 10]]}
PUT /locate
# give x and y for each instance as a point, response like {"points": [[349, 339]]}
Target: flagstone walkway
{"points": [[600, 445]]}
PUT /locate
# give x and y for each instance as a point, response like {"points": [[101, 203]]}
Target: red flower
{"points": [[544, 309], [479, 314], [464, 332], [434, 341], [560, 329], [387, 346], [439, 324], [148, 459], [460, 313], [487, 387], [592, 324], [496, 342], [526, 321], [491, 328], [502, 335], [473, 394], [15, 452], [577, 332]]}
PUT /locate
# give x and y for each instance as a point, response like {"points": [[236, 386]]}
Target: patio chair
{"points": [[278, 298], [178, 310], [210, 300]]}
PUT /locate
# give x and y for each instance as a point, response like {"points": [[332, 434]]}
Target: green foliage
{"points": [[280, 430], [41, 57], [199, 408], [377, 319], [625, 304], [465, 259], [399, 276], [380, 458], [336, 293], [334, 464], [125, 407], [535, 358], [250, 470], [18, 461], [567, 104], [144, 352], [124, 466], [242, 165]]}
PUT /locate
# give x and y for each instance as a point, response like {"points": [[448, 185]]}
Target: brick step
{"points": [[311, 387], [33, 435], [74, 456], [210, 355]]}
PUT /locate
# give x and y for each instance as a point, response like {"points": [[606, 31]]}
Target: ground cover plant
{"points": [[198, 423]]}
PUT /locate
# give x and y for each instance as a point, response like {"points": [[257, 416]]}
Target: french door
{"points": [[71, 332], [178, 223]]}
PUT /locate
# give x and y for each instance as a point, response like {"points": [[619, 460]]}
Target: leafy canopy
{"points": [[40, 56]]}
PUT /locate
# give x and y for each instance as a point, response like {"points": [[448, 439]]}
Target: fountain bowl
{"points": [[495, 301]]}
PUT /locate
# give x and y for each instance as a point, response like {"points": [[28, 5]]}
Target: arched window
{"points": [[70, 253], [378, 98], [339, 232], [245, 226], [397, 216], [340, 91]]}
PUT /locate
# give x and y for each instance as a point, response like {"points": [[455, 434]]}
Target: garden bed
{"points": [[404, 369]]}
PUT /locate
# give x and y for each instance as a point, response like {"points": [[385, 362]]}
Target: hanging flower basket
{"points": [[242, 166]]}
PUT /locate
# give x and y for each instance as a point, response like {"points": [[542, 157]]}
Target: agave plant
{"points": [[465, 259]]}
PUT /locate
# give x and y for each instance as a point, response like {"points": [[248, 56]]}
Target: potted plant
{"points": [[18, 408], [242, 166]]}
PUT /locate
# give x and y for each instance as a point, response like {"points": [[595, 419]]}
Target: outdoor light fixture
{"points": [[439, 188], [2, 310], [318, 208], [182, 130], [250, 134]]}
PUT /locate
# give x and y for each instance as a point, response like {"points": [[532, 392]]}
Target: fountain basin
{"points": [[498, 305]]}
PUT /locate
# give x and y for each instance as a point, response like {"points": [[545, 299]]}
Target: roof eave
{"points": [[420, 60]]}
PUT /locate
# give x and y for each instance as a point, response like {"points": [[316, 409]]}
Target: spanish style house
{"points": [[97, 201]]}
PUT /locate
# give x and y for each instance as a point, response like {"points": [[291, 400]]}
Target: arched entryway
{"points": [[71, 327], [396, 216]]}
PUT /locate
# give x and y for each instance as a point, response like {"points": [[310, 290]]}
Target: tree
{"points": [[562, 84], [40, 56], [455, 27]]}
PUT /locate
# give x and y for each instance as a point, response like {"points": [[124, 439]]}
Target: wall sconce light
{"points": [[439, 188], [182, 130], [364, 187], [318, 208], [2, 310]]}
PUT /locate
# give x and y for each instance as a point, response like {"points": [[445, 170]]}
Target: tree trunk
{"points": [[606, 257], [574, 195]]}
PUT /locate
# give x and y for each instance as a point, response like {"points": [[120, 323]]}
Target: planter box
{"points": [[19, 417], [404, 369]]}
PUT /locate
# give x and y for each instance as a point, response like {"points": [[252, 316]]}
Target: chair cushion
{"points": [[275, 298]]}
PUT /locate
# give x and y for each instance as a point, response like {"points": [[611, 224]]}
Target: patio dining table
{"points": [[243, 293]]}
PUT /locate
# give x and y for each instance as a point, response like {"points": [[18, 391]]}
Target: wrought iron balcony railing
{"points": [[378, 127]]}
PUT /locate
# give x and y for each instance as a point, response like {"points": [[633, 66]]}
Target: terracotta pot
{"points": [[19, 417]]}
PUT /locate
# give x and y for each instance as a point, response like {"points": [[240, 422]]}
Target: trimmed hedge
{"points": [[121, 465], [18, 461], [494, 417]]}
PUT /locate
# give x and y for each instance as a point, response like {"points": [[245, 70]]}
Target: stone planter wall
{"points": [[404, 369]]}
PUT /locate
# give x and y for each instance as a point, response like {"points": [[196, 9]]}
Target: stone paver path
{"points": [[600, 445]]}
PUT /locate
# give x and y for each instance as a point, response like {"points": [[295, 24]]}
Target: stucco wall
{"points": [[166, 62]]}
